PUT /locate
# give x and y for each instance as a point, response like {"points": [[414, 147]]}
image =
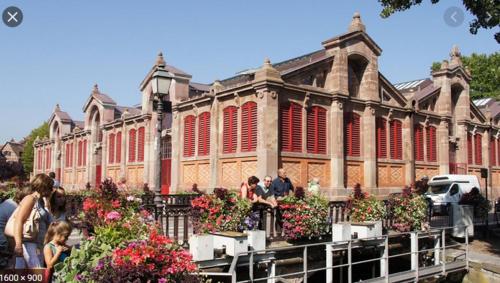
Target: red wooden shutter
{"points": [[249, 126], [419, 142], [230, 129], [111, 149], [47, 159], [479, 151], [493, 154], [72, 151], [316, 130], [291, 127], [469, 148], [381, 137], [204, 134], [131, 145], [189, 135], [79, 157], [118, 156], [352, 134], [431, 144], [84, 163], [66, 159], [140, 145], [396, 140]]}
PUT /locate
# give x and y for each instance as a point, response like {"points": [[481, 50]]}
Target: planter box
{"points": [[463, 215], [367, 229], [234, 242], [341, 232], [256, 239], [201, 247]]}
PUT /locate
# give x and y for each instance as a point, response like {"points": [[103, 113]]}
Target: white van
{"points": [[445, 189]]}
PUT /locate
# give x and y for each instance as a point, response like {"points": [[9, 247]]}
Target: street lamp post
{"points": [[160, 82]]}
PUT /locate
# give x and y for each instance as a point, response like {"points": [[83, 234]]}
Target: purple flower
{"points": [[78, 277], [162, 280], [99, 266]]}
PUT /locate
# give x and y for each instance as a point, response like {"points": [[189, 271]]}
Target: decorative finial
{"points": [[267, 63], [267, 72], [356, 23], [159, 60], [444, 65], [96, 89], [57, 108], [455, 56]]}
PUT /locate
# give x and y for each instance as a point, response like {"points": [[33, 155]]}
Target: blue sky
{"points": [[63, 47]]}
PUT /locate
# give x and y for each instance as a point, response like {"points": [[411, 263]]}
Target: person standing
{"points": [[31, 249], [282, 186], [265, 194], [57, 204], [7, 207]]}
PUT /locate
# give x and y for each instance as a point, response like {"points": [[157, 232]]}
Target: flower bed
{"points": [[304, 217], [219, 212], [362, 207], [408, 211], [124, 245]]}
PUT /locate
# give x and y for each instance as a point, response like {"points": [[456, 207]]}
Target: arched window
{"points": [[131, 145], [229, 131], [118, 156], [396, 140], [249, 126], [381, 124], [316, 130], [479, 149], [431, 144], [111, 149], [204, 134], [291, 127], [352, 139], [469, 148], [189, 139], [418, 132], [140, 144]]}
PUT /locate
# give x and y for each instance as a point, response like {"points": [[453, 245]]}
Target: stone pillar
{"points": [[443, 147], [267, 132], [369, 84], [149, 151], [214, 144], [408, 148], [461, 153], [337, 146], [176, 150], [369, 146], [337, 79], [104, 156], [123, 153]]}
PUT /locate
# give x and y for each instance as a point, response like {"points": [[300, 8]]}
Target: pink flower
{"points": [[113, 215]]}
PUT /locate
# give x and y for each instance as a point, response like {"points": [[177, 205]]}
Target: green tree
{"points": [[28, 154], [486, 12], [485, 71]]}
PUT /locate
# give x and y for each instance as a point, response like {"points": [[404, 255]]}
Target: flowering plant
{"points": [[155, 259], [475, 198], [361, 206], [218, 212], [304, 217], [408, 211]]}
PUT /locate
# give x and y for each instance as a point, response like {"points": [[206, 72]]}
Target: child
{"points": [[55, 249]]}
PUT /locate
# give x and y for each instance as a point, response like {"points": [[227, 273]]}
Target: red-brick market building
{"points": [[328, 114]]}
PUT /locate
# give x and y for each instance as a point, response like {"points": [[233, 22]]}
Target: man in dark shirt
{"points": [[282, 186]]}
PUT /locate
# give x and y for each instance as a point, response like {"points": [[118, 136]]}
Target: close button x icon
{"points": [[12, 16]]}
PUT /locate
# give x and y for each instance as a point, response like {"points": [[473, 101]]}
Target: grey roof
{"points": [[104, 98], [425, 92], [200, 86], [64, 116], [483, 102], [132, 110], [176, 71], [415, 84], [79, 124]]}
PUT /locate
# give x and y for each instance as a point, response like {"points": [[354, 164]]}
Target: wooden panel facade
{"points": [[391, 174], [301, 170]]}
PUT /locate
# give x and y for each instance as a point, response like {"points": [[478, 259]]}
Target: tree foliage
{"points": [[485, 70], [486, 12], [28, 154]]}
